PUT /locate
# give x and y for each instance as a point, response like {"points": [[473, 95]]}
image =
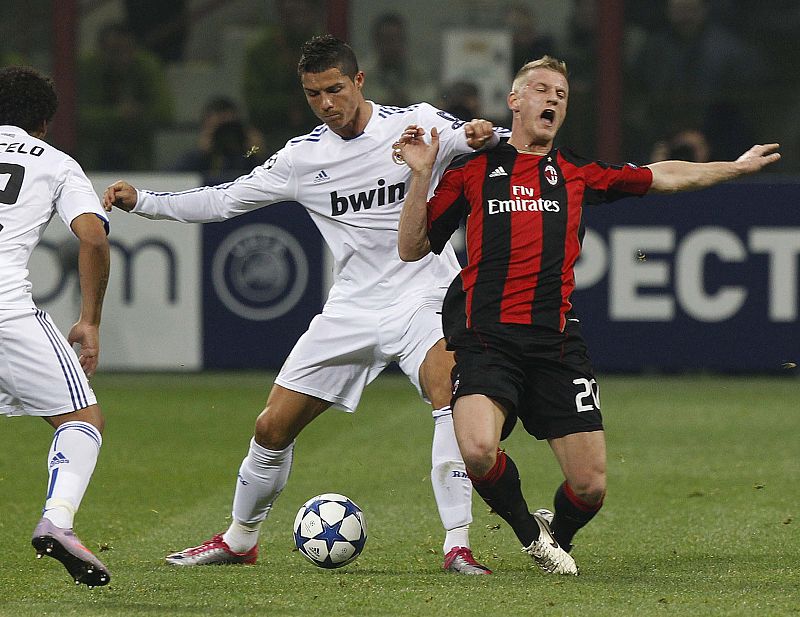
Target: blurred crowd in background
{"points": [[211, 86]]}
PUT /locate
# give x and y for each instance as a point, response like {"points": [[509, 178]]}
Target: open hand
{"points": [[413, 150], [758, 157]]}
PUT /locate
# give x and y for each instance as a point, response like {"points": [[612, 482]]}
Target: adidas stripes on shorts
{"points": [[39, 371]]}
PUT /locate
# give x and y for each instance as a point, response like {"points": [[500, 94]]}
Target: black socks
{"points": [[502, 491], [571, 513]]}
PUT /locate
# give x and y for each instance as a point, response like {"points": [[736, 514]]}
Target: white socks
{"points": [[262, 476], [264, 473], [456, 537], [71, 461], [451, 485]]}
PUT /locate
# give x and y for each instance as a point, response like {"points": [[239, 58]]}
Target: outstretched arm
{"points": [[412, 233], [266, 184], [198, 206], [677, 176], [93, 265]]}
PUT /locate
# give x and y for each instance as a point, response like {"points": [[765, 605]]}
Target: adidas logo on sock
{"points": [[499, 171], [321, 177], [58, 459]]}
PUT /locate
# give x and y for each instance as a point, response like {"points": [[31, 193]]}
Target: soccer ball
{"points": [[330, 530]]}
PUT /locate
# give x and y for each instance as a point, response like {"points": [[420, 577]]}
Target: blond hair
{"points": [[545, 62]]}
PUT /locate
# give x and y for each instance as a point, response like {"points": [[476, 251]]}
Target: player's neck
{"points": [[539, 149], [359, 122], [41, 131]]}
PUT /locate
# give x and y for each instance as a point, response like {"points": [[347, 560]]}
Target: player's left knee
{"points": [[595, 496], [269, 434], [590, 489]]}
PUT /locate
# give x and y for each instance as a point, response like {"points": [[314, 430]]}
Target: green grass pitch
{"points": [[702, 516]]}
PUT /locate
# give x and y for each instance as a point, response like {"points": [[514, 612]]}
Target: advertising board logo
{"points": [[260, 272]]}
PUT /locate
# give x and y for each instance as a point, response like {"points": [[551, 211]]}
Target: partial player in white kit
{"points": [[379, 309], [40, 374]]}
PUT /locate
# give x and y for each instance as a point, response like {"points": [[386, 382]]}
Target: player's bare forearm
{"points": [[93, 266], [412, 235], [677, 176]]}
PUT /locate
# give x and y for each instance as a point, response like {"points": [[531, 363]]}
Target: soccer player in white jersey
{"points": [[379, 309], [40, 374]]}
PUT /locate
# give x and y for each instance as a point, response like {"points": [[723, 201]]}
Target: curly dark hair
{"points": [[27, 97], [327, 52]]}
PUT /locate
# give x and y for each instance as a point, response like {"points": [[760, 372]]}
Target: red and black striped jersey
{"points": [[524, 227]]}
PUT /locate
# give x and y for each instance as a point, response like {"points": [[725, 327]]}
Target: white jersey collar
{"points": [[10, 128]]}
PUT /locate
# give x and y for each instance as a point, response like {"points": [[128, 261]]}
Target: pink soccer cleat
{"points": [[64, 545], [461, 561], [212, 552]]}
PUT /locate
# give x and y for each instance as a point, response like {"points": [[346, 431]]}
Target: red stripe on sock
{"points": [[494, 474], [578, 502]]}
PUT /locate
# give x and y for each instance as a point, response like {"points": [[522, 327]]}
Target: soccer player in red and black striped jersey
{"points": [[509, 317]]}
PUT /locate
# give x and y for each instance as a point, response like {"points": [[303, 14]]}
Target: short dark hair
{"points": [[327, 52], [27, 97]]}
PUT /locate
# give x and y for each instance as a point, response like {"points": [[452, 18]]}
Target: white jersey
{"points": [[36, 180], [354, 191]]}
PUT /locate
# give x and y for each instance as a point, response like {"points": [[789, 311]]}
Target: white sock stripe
{"points": [[81, 427], [443, 411], [271, 455]]}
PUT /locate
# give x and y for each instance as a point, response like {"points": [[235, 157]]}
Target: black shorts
{"points": [[542, 376]]}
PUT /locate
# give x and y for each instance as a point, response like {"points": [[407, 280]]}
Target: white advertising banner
{"points": [[152, 309]]}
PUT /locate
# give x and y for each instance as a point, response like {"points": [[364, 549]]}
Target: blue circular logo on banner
{"points": [[260, 272]]}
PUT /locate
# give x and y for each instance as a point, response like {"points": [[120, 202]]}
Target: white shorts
{"points": [[346, 347], [39, 372]]}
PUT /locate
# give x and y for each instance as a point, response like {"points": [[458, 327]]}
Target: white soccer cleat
{"points": [[546, 552], [546, 515]]}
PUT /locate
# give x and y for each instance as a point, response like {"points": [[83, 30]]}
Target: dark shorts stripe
{"points": [[79, 400]]}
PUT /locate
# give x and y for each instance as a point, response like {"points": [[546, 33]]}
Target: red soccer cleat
{"points": [[461, 561], [212, 552]]}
